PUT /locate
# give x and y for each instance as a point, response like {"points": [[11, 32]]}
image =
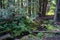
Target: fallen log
{"points": [[5, 36], [46, 31]]}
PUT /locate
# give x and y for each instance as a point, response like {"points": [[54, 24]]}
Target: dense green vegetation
{"points": [[16, 20]]}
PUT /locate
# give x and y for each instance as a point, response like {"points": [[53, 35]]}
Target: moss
{"points": [[30, 37]]}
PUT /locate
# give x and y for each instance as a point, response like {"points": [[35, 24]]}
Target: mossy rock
{"points": [[30, 37]]}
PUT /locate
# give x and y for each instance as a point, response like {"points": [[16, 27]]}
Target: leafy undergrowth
{"points": [[50, 25], [17, 23], [23, 25], [39, 36], [30, 37]]}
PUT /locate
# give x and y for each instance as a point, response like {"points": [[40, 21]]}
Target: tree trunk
{"points": [[29, 8], [45, 2], [43, 7], [0, 3], [57, 13]]}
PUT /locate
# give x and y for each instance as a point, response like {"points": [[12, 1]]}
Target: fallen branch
{"points": [[46, 31]]}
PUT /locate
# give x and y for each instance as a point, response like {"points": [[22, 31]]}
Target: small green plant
{"points": [[40, 35]]}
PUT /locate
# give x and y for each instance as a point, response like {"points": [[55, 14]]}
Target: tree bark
{"points": [[29, 8], [57, 13], [43, 7], [45, 2]]}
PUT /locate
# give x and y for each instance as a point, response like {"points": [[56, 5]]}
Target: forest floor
{"points": [[54, 33]]}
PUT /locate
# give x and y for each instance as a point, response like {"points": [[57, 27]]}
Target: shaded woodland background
{"points": [[19, 18]]}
